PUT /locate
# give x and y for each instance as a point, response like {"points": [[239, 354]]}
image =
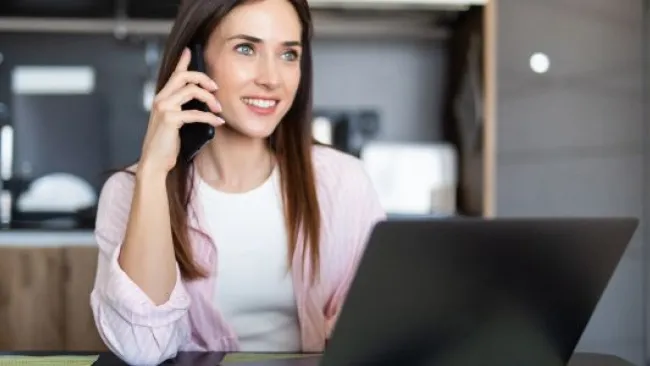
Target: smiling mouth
{"points": [[260, 103]]}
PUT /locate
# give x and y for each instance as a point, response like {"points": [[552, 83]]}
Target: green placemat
{"points": [[252, 357], [47, 360]]}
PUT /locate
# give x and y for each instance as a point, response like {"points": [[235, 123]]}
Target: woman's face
{"points": [[254, 56]]}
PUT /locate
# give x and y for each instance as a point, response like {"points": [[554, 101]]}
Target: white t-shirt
{"points": [[254, 289]]}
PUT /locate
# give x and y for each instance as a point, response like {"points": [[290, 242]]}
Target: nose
{"points": [[268, 75]]}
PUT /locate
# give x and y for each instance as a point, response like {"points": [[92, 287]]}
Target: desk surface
{"points": [[214, 359]]}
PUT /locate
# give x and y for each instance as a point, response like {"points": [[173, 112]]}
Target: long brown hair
{"points": [[291, 141]]}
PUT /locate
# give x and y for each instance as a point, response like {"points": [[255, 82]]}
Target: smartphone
{"points": [[195, 135]]}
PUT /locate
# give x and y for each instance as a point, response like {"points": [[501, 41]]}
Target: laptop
{"points": [[460, 292], [467, 292]]}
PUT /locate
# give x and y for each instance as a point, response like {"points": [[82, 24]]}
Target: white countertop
{"points": [[46, 238]]}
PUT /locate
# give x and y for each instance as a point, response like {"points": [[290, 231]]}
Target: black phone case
{"points": [[196, 134]]}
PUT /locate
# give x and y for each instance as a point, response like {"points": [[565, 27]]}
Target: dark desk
{"points": [[213, 359], [216, 358]]}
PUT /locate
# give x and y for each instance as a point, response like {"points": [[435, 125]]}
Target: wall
{"points": [[401, 79], [570, 142]]}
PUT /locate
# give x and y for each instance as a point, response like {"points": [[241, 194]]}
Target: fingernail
{"points": [[214, 85]]}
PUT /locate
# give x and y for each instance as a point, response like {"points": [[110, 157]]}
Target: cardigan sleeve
{"points": [[129, 323]]}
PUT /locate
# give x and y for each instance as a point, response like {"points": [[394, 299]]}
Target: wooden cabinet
{"points": [[80, 331], [31, 303], [45, 299]]}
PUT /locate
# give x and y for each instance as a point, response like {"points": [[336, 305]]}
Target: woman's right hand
{"points": [[162, 141]]}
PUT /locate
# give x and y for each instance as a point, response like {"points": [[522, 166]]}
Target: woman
{"points": [[253, 245]]}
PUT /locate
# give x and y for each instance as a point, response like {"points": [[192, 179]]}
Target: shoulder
{"points": [[115, 197], [120, 183], [342, 181], [336, 169]]}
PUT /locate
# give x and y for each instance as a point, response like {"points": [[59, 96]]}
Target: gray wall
{"points": [[402, 79], [570, 142]]}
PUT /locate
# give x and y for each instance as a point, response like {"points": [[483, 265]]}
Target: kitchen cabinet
{"points": [[45, 298], [31, 306], [80, 331]]}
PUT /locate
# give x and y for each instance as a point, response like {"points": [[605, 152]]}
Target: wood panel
{"points": [[490, 112], [81, 332], [31, 301]]}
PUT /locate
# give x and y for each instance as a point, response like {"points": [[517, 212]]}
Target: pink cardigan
{"points": [[141, 333]]}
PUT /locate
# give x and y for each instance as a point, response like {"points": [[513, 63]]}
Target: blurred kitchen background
{"points": [[476, 108]]}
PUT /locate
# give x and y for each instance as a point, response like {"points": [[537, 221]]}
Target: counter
{"points": [[46, 238]]}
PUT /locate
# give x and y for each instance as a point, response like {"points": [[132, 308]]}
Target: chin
{"points": [[253, 131]]}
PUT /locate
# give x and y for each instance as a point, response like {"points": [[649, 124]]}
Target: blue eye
{"points": [[244, 49], [290, 55]]}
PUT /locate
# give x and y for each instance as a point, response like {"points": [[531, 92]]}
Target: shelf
{"points": [[325, 26]]}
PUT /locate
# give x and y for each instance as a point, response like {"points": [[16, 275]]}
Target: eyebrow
{"points": [[259, 40]]}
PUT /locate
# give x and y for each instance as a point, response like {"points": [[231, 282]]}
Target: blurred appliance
{"points": [[413, 179], [346, 131], [59, 147]]}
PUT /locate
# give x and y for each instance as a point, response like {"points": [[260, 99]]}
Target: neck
{"points": [[234, 163]]}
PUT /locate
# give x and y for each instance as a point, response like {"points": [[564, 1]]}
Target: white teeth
{"points": [[261, 103]]}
